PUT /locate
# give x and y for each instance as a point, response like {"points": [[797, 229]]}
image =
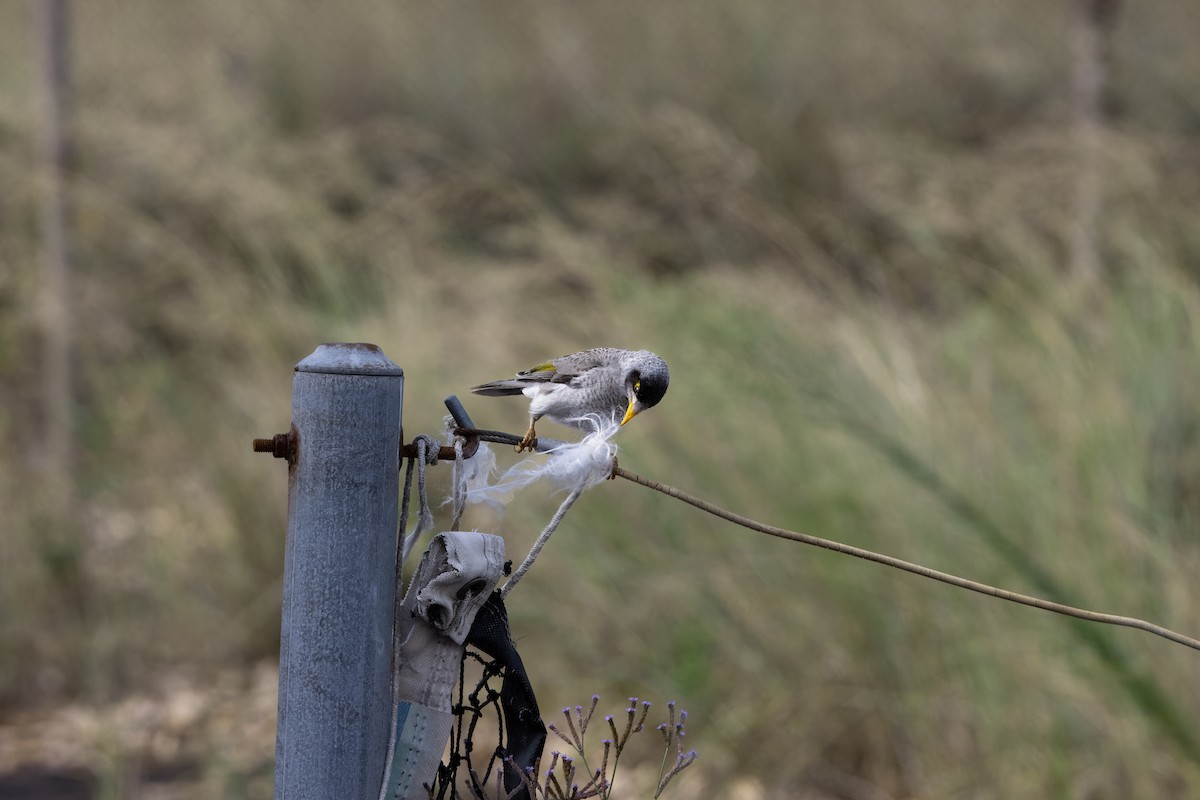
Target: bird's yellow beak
{"points": [[632, 411]]}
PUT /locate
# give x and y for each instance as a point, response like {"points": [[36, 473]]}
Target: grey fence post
{"points": [[338, 592]]}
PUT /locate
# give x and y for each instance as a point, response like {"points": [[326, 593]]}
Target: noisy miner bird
{"points": [[605, 381]]}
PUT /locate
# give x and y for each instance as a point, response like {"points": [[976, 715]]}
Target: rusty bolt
{"points": [[279, 445]]}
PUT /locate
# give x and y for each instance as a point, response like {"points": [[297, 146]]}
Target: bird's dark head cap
{"points": [[649, 378]]}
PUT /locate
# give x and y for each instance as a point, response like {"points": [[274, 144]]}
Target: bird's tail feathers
{"points": [[500, 388]]}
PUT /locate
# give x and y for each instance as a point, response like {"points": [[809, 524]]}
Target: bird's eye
{"points": [[637, 386]]}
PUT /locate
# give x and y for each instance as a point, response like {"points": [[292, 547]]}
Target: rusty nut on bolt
{"points": [[279, 445]]}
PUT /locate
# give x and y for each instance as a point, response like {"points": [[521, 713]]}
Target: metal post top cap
{"points": [[349, 358]]}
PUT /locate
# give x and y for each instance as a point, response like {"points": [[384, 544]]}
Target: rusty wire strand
{"points": [[879, 558], [907, 566]]}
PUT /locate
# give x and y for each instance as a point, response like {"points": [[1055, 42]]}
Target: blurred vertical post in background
{"points": [[339, 574], [56, 157], [1095, 21]]}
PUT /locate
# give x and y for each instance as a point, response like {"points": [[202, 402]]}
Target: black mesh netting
{"points": [[509, 715]]}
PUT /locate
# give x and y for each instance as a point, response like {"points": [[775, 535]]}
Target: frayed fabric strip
{"points": [[581, 464]]}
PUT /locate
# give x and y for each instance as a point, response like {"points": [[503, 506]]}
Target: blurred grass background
{"points": [[844, 226]]}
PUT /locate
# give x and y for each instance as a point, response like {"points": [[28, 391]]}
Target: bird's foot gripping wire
{"points": [[529, 441]]}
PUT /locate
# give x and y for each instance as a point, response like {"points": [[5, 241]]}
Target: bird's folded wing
{"points": [[584, 360]]}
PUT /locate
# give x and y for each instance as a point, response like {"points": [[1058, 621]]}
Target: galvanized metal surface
{"points": [[339, 589]]}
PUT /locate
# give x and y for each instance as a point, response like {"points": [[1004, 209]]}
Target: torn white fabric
{"points": [[452, 582], [478, 472], [579, 465]]}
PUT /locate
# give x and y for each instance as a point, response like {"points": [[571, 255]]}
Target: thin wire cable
{"points": [[542, 539], [916, 569], [889, 561]]}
